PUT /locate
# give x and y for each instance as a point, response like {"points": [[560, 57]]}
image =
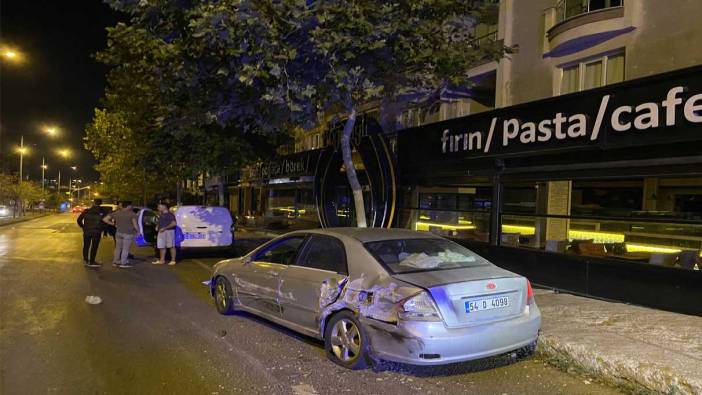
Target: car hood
{"points": [[434, 278]]}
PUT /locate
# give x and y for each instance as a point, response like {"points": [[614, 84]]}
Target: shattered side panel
{"points": [[304, 292], [376, 298]]}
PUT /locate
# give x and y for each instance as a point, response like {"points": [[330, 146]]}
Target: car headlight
{"points": [[419, 307]]}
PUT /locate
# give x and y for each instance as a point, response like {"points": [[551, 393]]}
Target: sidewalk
{"points": [[637, 348]]}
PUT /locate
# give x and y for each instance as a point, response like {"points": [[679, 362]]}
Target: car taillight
{"points": [[419, 307], [530, 294]]}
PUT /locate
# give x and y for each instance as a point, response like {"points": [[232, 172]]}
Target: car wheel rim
{"points": [[221, 294], [345, 340]]}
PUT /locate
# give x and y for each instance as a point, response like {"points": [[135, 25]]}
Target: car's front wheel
{"points": [[346, 342], [223, 296]]}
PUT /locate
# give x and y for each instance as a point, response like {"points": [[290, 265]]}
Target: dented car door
{"points": [[314, 281], [258, 283]]}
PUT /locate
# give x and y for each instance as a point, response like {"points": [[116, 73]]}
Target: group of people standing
{"points": [[97, 220]]}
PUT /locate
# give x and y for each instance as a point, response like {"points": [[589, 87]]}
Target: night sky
{"points": [[58, 83]]}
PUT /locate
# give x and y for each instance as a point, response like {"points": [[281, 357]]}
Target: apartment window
{"points": [[572, 8], [592, 73]]}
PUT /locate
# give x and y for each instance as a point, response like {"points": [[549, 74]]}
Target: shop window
{"points": [[655, 221], [608, 69], [519, 199], [464, 214], [613, 198]]}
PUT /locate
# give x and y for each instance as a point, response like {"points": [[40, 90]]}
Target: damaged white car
{"points": [[382, 294]]}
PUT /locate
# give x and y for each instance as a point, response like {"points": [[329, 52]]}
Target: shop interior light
{"points": [[633, 247], [425, 226], [522, 230], [598, 237], [288, 209]]}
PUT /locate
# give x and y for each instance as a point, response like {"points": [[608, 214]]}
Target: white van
{"points": [[197, 227]]}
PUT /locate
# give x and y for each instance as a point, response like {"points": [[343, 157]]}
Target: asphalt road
{"points": [[156, 331]]}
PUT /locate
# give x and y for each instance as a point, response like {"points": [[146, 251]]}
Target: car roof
{"points": [[365, 235], [194, 206]]}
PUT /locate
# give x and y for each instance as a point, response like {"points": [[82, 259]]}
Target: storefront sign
{"points": [[662, 109], [295, 165]]}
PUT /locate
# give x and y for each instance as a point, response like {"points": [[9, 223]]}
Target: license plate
{"points": [[487, 304], [195, 236]]}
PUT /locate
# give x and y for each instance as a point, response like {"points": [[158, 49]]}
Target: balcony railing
{"points": [[566, 9], [485, 39]]}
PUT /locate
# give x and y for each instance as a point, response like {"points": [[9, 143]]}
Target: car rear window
{"points": [[421, 255]]}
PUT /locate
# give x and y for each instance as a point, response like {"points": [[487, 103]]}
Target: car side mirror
{"points": [[247, 260]]}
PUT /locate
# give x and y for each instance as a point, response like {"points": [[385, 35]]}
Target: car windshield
{"points": [[419, 255]]}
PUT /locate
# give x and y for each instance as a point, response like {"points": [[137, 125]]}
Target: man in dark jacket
{"points": [[90, 221]]}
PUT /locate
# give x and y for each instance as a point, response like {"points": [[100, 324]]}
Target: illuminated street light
{"points": [[51, 131], [43, 180], [64, 153], [11, 55]]}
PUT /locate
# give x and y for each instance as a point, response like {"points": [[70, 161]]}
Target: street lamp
{"points": [[70, 182], [11, 55], [21, 150], [51, 131], [65, 154]]}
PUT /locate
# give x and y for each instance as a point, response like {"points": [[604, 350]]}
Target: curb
{"points": [[638, 377], [23, 219]]}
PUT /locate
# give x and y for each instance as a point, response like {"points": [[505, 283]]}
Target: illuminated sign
{"points": [[662, 109]]}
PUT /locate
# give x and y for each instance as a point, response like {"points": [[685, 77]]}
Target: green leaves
{"points": [[189, 81]]}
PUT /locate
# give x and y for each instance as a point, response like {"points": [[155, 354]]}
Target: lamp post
{"points": [[21, 152], [20, 200], [70, 182], [43, 170], [64, 153]]}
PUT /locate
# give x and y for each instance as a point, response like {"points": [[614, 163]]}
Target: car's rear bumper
{"points": [[432, 343]]}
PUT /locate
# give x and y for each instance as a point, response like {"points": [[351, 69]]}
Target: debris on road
{"points": [[92, 299]]}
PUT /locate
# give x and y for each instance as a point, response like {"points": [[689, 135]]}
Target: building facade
{"points": [[576, 159]]}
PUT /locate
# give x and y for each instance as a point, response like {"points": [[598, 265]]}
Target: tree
{"points": [[222, 69], [161, 120], [349, 53], [20, 196]]}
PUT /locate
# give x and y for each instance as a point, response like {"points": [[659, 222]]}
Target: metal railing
{"points": [[484, 39]]}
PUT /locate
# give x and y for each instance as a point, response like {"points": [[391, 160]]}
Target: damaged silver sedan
{"points": [[382, 294]]}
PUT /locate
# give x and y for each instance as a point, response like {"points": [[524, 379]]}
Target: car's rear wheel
{"points": [[346, 342], [223, 296]]}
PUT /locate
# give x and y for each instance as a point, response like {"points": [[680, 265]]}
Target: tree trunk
{"points": [[351, 171]]}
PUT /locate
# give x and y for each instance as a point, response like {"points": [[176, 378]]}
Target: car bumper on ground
{"points": [[432, 343]]}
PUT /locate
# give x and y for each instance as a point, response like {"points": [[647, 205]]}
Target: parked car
{"points": [[382, 294], [77, 209], [197, 227], [4, 211]]}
